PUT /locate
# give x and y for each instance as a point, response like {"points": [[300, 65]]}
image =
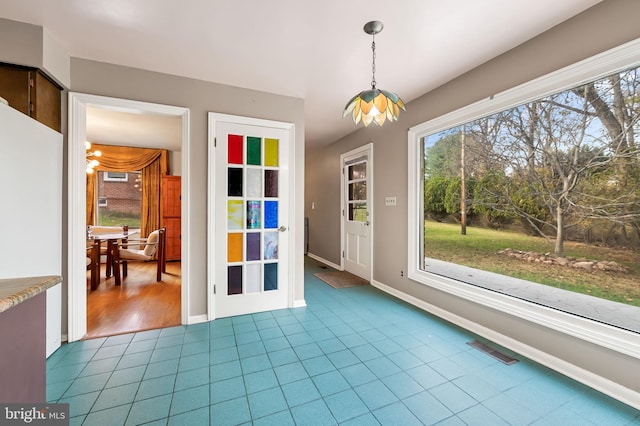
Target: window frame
{"points": [[108, 178], [598, 66]]}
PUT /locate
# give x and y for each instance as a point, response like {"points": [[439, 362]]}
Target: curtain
{"points": [[153, 164]]}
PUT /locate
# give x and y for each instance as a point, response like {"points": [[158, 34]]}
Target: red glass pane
{"points": [[234, 149]]}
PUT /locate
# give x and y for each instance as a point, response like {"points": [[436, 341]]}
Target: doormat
{"points": [[341, 279]]}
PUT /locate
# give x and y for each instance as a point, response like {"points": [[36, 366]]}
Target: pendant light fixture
{"points": [[374, 105]]}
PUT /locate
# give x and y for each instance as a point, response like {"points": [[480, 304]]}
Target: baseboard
{"points": [[326, 262], [197, 319], [602, 384], [299, 303]]}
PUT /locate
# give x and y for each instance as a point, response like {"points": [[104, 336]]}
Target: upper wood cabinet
{"points": [[31, 92]]}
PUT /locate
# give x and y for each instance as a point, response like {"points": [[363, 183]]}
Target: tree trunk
{"points": [[559, 246]]}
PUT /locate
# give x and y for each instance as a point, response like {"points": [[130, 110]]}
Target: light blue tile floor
{"points": [[353, 356]]}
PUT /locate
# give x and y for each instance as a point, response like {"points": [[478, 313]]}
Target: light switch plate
{"points": [[390, 201]]}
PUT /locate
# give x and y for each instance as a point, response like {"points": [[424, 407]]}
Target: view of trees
{"points": [[564, 166]]}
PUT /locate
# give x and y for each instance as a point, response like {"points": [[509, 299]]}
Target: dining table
{"points": [[112, 240]]}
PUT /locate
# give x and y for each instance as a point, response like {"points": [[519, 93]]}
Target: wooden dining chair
{"points": [[150, 248]]}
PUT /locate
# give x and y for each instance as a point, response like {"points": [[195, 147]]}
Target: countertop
{"points": [[14, 291]]}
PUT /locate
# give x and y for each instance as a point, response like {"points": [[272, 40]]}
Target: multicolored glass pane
{"points": [[271, 183], [235, 214], [270, 214], [234, 182], [234, 247], [234, 280], [253, 246], [271, 153], [270, 276], [234, 149], [252, 214], [254, 151]]}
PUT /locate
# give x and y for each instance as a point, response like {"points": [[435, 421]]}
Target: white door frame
{"points": [[76, 223], [368, 151], [215, 118]]}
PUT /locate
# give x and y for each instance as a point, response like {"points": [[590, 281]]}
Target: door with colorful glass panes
{"points": [[251, 224]]}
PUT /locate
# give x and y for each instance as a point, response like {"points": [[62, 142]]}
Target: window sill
{"points": [[614, 338]]}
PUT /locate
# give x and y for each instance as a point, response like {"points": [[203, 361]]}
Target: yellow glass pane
{"points": [[271, 152], [234, 247]]}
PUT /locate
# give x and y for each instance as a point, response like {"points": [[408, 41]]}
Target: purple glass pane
{"points": [[234, 280], [253, 246], [270, 214], [270, 183]]}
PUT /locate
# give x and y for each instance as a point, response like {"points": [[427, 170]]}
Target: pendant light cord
{"points": [[373, 64]]}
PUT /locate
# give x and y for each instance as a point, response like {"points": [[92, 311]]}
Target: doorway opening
{"points": [[88, 115]]}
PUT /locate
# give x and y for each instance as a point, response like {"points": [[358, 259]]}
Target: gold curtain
{"points": [[153, 164]]}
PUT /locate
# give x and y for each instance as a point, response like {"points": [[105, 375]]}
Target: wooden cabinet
{"points": [[171, 215], [31, 92]]}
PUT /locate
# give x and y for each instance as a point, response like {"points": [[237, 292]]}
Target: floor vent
{"points": [[494, 353]]}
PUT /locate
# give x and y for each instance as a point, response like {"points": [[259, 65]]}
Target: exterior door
{"points": [[356, 212], [250, 242]]}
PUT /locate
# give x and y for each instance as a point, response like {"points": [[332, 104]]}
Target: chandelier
{"points": [[91, 161], [375, 105]]}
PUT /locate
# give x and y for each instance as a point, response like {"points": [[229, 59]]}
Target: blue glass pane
{"points": [[270, 276], [270, 214]]}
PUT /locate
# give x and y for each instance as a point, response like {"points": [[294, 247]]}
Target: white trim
{"points": [[76, 266], [365, 150], [299, 303], [325, 261], [602, 384], [213, 119], [197, 319]]}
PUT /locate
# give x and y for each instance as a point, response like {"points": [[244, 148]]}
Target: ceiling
{"points": [[315, 50]]}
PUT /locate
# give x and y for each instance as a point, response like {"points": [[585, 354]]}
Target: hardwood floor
{"points": [[140, 303]]}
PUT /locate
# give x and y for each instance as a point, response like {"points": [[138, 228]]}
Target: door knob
{"points": [[282, 228]]}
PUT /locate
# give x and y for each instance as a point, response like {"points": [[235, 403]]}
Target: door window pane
{"points": [[357, 191], [270, 183], [358, 212], [234, 149], [270, 276], [358, 171], [234, 182], [253, 215], [234, 279], [254, 151]]}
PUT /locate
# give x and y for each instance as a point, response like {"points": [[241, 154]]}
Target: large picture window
{"points": [[536, 192]]}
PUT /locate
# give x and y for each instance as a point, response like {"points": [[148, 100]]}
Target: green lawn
{"points": [[479, 249], [119, 219]]}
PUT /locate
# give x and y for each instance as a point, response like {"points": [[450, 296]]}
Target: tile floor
{"points": [[353, 356]]}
